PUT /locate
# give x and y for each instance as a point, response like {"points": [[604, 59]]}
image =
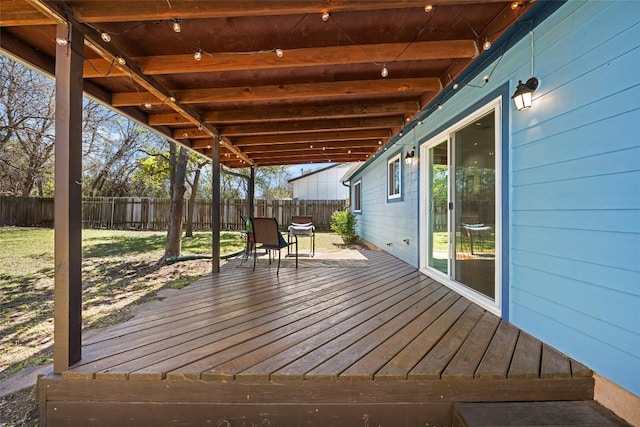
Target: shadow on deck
{"points": [[364, 340]]}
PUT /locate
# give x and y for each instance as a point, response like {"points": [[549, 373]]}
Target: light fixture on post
{"points": [[408, 158], [524, 92]]}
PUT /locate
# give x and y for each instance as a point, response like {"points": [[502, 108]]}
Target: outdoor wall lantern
{"points": [[408, 158], [524, 92]]}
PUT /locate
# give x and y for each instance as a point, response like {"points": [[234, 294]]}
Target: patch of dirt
{"points": [[19, 409]]}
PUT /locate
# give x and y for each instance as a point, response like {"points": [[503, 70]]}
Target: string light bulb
{"points": [[428, 8], [176, 25], [487, 44], [456, 86], [147, 105], [120, 60], [385, 71], [279, 53], [198, 55], [62, 42], [105, 36], [325, 16]]}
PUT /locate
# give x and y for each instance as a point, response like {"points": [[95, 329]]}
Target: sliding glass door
{"points": [[460, 207], [474, 205]]}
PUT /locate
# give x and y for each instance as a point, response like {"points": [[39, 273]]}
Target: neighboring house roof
{"points": [[304, 175], [347, 176]]}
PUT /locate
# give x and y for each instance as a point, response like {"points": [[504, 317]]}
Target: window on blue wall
{"points": [[394, 185], [357, 196]]}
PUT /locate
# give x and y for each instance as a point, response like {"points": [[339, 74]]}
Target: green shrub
{"points": [[344, 224]]}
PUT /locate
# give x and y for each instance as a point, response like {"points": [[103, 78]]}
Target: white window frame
{"points": [[390, 176], [357, 196]]}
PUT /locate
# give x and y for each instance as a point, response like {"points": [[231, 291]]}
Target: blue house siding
{"points": [[574, 185], [575, 258], [383, 222]]}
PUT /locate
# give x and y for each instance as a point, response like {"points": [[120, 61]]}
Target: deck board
{"points": [[465, 362], [496, 361], [381, 333], [526, 358], [436, 361]]}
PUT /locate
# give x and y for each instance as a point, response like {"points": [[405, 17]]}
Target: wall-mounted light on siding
{"points": [[524, 92], [408, 158]]}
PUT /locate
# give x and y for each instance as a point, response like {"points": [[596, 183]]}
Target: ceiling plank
{"points": [[367, 145], [323, 158], [292, 113], [380, 134], [278, 128], [284, 128], [310, 57], [151, 10], [294, 91], [20, 13]]}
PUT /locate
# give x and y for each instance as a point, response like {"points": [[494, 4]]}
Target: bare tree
{"points": [[178, 158], [26, 128], [192, 197]]}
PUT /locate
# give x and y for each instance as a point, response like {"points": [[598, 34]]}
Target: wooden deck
{"points": [[334, 342]]}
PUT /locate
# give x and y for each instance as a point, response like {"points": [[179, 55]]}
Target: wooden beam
{"points": [[19, 13], [278, 161], [371, 144], [68, 206], [283, 128], [375, 109], [251, 190], [215, 208], [261, 158], [152, 10], [307, 57], [334, 125], [380, 134], [305, 91]]}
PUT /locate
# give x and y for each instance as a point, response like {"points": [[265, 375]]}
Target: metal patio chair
{"points": [[266, 235]]}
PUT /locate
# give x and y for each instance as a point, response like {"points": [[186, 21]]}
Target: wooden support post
{"points": [[251, 189], [215, 209], [68, 200]]}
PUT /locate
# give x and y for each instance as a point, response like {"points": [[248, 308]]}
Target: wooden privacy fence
{"points": [[141, 213]]}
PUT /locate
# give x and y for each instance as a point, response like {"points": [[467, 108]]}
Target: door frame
{"points": [[496, 104]]}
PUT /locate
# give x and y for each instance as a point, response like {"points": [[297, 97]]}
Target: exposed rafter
{"points": [[311, 57], [304, 91], [293, 113]]}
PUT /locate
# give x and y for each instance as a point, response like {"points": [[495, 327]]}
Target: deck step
{"points": [[523, 414]]}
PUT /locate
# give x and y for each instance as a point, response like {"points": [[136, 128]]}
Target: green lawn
{"points": [[119, 271]]}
